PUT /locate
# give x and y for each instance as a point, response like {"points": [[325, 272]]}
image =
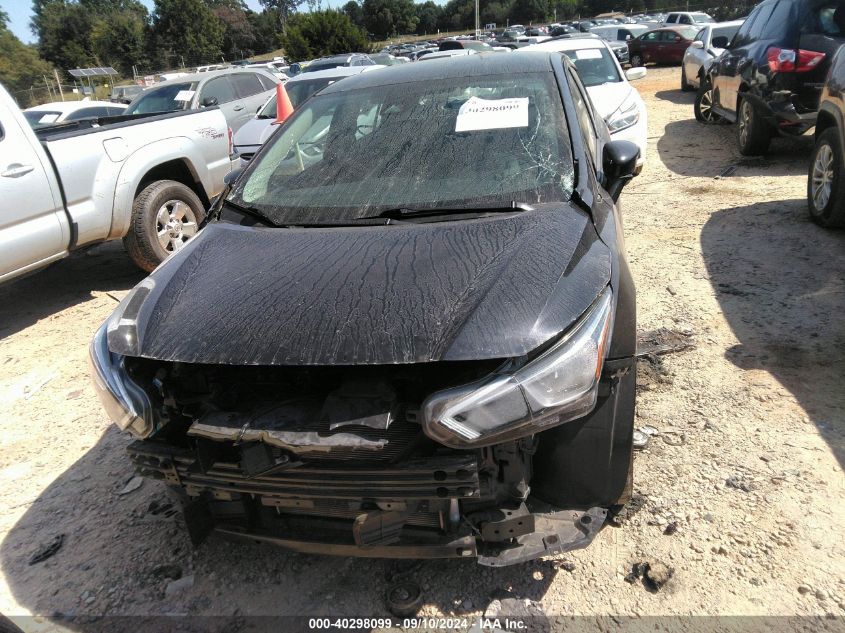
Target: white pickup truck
{"points": [[145, 179]]}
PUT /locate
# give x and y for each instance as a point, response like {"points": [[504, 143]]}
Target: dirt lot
{"points": [[747, 468]]}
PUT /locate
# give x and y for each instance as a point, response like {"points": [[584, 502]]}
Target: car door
{"points": [[648, 45], [694, 58], [251, 91], [32, 217], [220, 91], [731, 64]]}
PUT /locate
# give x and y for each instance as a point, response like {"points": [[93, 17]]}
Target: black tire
{"points": [[703, 106], [827, 164], [685, 85], [156, 200], [636, 60], [753, 134]]}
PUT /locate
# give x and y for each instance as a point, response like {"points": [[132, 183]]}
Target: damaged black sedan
{"points": [[408, 329]]}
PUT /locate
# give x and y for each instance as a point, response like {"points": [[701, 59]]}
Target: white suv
{"points": [[685, 17]]}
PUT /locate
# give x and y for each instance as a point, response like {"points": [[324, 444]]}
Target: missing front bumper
{"points": [[556, 532]]}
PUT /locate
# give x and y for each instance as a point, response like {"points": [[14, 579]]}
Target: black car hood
{"points": [[492, 287]]}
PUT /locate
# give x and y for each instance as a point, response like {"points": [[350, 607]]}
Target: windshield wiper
{"points": [[407, 213], [251, 212]]}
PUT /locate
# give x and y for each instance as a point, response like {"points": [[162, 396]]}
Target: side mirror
{"points": [[632, 74], [231, 177], [209, 101], [720, 42], [620, 166], [697, 44], [628, 38]]}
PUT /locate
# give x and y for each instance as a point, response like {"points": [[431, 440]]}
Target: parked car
{"points": [[826, 180], [461, 52], [335, 61], [238, 92], [60, 111], [249, 139], [456, 45], [621, 107], [125, 94], [147, 180], [687, 17], [386, 59], [711, 41], [770, 78], [619, 34], [662, 46], [331, 395]]}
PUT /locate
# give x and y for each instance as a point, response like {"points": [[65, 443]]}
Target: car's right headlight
{"points": [[559, 385], [126, 404]]}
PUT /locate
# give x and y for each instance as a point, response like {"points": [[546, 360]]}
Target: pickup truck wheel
{"points": [[753, 133], [165, 215], [825, 197], [703, 107]]}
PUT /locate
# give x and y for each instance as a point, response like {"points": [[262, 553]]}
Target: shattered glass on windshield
{"points": [[348, 155]]}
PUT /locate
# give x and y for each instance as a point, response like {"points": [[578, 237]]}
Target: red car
{"points": [[662, 46]]}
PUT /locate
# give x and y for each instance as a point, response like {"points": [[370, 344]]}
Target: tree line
{"points": [[178, 33]]}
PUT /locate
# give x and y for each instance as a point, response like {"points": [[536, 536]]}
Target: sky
{"points": [[20, 12]]}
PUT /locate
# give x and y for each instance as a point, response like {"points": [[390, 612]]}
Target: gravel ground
{"points": [[739, 494]]}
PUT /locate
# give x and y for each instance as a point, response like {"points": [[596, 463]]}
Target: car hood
{"points": [[254, 132], [607, 98], [485, 288]]}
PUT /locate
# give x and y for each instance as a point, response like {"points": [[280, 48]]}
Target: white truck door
{"points": [[33, 225]]}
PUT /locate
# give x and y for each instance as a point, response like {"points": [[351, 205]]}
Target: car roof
{"points": [[565, 44], [331, 73], [191, 77], [72, 106], [480, 64]]}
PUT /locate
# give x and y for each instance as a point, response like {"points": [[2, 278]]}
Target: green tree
{"points": [[186, 29], [384, 18], [238, 35], [355, 12], [283, 9], [428, 16], [20, 66], [118, 40], [64, 34], [319, 33], [529, 11], [265, 31]]}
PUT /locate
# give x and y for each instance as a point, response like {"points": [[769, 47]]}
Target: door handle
{"points": [[16, 170], [238, 107]]}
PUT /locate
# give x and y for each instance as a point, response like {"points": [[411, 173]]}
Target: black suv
{"points": [[770, 77], [826, 181]]}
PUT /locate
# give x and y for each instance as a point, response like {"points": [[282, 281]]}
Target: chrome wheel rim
{"points": [[176, 223], [705, 105], [822, 184], [744, 122]]}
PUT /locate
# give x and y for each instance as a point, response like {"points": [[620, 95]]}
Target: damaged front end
{"points": [[424, 460]]}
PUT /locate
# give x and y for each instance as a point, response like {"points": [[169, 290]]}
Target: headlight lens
{"points": [[558, 386], [625, 116], [126, 404]]}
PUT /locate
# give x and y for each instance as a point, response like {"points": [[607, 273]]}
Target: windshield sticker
{"points": [[588, 53], [184, 95], [492, 114]]}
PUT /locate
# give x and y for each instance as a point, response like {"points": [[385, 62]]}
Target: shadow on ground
{"points": [[64, 284], [119, 549], [788, 323], [690, 148], [677, 97]]}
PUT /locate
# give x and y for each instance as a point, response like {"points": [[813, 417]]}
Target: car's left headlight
{"points": [[625, 116], [559, 385]]}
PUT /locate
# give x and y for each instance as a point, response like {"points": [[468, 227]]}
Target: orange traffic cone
{"points": [[284, 108]]}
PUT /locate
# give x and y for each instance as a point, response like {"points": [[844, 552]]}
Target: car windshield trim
{"points": [[349, 154]]}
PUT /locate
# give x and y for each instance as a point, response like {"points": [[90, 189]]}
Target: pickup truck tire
{"points": [[826, 181], [753, 133], [165, 215]]}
